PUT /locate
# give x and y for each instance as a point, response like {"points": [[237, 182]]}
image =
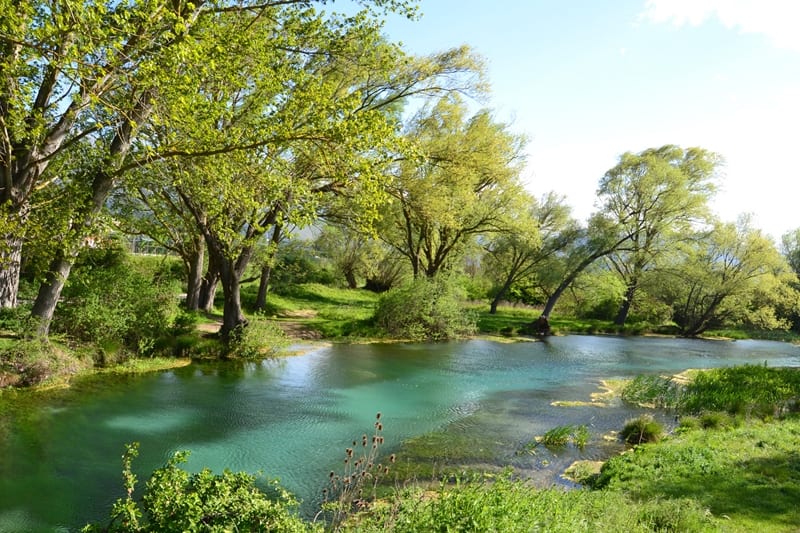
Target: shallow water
{"points": [[291, 419]]}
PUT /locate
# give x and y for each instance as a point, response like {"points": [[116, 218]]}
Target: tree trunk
{"points": [[263, 287], [11, 254], [208, 286], [625, 306], [553, 299], [50, 291], [10, 261], [350, 276], [195, 275], [266, 270], [232, 316], [499, 296]]}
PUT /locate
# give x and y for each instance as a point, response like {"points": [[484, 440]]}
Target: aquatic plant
{"points": [[641, 430], [561, 436]]}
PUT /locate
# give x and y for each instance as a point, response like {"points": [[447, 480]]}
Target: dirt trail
{"points": [[294, 329]]}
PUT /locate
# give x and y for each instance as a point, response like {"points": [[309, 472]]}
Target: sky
{"points": [[587, 80]]}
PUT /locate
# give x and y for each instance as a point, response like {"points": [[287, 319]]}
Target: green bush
{"points": [[112, 304], [30, 362], [261, 338], [425, 309], [641, 430], [177, 501]]}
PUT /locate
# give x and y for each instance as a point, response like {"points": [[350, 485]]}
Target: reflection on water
{"points": [[293, 418]]}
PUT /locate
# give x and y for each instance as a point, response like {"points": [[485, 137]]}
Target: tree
{"points": [[349, 251], [461, 184], [724, 276], [61, 84], [143, 207], [582, 246], [86, 77], [656, 196], [532, 239], [320, 123]]}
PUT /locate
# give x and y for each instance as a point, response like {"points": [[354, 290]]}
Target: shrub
{"points": [[261, 338], [641, 430], [31, 362], [113, 304], [425, 309], [177, 501]]}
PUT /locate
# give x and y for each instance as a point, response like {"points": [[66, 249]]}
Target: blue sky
{"points": [[588, 80]]}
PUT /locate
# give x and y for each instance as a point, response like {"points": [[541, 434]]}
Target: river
{"points": [[292, 418]]}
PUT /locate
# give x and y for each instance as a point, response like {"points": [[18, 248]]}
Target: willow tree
{"points": [[461, 182], [527, 248], [315, 109], [657, 197], [87, 76], [729, 276]]}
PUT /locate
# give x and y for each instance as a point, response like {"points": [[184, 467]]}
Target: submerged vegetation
{"points": [[715, 472]]}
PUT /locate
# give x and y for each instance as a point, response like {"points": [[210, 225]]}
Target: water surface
{"points": [[292, 419]]}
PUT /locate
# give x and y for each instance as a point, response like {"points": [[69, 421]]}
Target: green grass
{"points": [[502, 503], [333, 312], [750, 475]]}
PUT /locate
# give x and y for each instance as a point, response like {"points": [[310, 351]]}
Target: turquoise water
{"points": [[292, 419]]}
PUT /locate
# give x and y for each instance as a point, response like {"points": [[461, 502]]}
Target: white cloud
{"points": [[776, 19]]}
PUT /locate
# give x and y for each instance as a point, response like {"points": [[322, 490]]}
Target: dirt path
{"points": [[294, 329]]}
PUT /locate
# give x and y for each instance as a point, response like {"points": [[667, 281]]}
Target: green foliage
{"points": [[262, 338], [425, 309], [296, 264], [750, 390], [177, 501], [729, 277], [30, 362], [641, 430], [500, 503], [109, 302], [747, 474], [462, 182], [16, 320]]}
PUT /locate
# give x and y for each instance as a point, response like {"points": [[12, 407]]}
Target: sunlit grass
{"points": [[332, 312], [748, 474]]}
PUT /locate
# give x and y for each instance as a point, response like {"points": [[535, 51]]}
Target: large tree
{"points": [[87, 77], [460, 182], [531, 240], [319, 111], [657, 197], [731, 275]]}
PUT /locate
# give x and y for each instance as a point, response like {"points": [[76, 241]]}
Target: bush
{"points": [[641, 430], [176, 501], [31, 362], [425, 309], [111, 304], [261, 338]]}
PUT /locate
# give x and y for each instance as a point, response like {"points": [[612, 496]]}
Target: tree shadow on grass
{"points": [[763, 490]]}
